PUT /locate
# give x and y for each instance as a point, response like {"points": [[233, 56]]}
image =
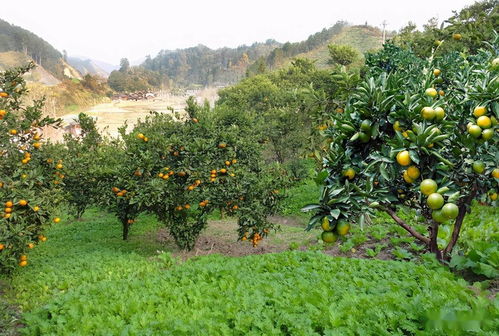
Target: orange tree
{"points": [[30, 175], [80, 182], [418, 133], [182, 170]]}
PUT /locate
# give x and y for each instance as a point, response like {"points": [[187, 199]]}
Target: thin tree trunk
{"points": [[463, 207], [433, 240], [126, 229]]}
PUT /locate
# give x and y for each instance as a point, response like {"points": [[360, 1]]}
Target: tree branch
{"points": [[407, 227], [463, 206]]}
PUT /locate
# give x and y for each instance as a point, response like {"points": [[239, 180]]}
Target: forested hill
{"points": [[17, 39], [204, 66]]}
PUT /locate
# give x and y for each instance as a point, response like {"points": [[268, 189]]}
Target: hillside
{"points": [[202, 66], [88, 66]]}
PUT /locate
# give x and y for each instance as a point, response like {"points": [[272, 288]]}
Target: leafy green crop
{"points": [[85, 281]]}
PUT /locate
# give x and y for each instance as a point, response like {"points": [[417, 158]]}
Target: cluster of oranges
{"points": [[204, 203], [27, 158], [484, 127], [142, 137], [166, 175], [182, 207], [194, 185], [119, 192], [9, 207]]}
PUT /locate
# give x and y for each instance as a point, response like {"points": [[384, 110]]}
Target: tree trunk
{"points": [[126, 229], [433, 245]]}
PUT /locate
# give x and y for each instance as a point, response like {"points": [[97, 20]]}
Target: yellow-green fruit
{"points": [[495, 63], [478, 167], [349, 173], [342, 228], [413, 172], [365, 125], [438, 216], [484, 122], [495, 173], [493, 196], [435, 201], [326, 226], [428, 187], [457, 36], [479, 111], [487, 134], [428, 113], [396, 126], [493, 120], [329, 237], [437, 43], [475, 131], [436, 72], [403, 158], [407, 178], [439, 113], [431, 92], [450, 210]]}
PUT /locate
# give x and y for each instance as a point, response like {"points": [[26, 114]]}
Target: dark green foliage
{"points": [[134, 79]]}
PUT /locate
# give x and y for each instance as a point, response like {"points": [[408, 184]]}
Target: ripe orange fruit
{"points": [[2, 246], [36, 208], [197, 182], [222, 145], [37, 137], [227, 163], [9, 204], [31, 245], [179, 208], [428, 113], [439, 113], [441, 93], [23, 202], [436, 72], [431, 92], [428, 187], [407, 178], [435, 201], [58, 166], [57, 220], [190, 188], [194, 120], [115, 190], [44, 239], [165, 177], [413, 172], [349, 173], [6, 216], [202, 204], [161, 175], [181, 173], [23, 263], [234, 161], [13, 132], [7, 210], [403, 158], [484, 122], [223, 171], [495, 173], [479, 111], [326, 225], [23, 258], [37, 145], [235, 207], [140, 136]]}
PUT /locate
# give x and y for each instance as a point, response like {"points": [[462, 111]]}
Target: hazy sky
{"points": [[110, 29]]}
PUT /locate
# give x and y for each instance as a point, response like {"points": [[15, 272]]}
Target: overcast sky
{"points": [[108, 30]]}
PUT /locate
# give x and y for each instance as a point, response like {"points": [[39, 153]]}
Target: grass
{"points": [[86, 281]]}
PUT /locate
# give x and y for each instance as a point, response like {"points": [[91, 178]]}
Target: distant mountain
{"points": [[19, 46], [202, 66], [88, 66]]}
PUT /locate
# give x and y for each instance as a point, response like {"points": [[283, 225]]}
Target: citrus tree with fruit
{"points": [[30, 175], [416, 133], [182, 168]]}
